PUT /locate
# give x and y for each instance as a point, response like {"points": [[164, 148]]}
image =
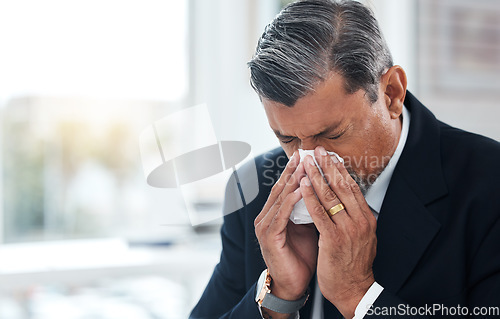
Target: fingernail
{"points": [[322, 151], [310, 160], [292, 157], [335, 159], [307, 182], [297, 190]]}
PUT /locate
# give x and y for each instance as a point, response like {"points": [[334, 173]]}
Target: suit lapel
{"points": [[405, 227], [404, 230]]}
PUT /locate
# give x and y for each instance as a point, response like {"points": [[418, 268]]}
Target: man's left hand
{"points": [[347, 241]]}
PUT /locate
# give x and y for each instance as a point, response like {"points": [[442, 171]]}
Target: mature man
{"points": [[408, 225]]}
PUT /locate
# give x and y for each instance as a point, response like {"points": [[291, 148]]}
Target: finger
{"points": [[356, 191], [282, 216], [285, 176], [339, 184], [326, 196], [294, 181], [291, 193], [318, 214], [291, 185], [279, 185]]}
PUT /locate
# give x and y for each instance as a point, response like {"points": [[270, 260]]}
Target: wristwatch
{"points": [[266, 299]]}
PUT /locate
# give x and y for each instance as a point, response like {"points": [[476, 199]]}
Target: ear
{"points": [[394, 87]]}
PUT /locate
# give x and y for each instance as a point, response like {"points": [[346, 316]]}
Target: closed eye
{"points": [[334, 137], [287, 140], [339, 134]]}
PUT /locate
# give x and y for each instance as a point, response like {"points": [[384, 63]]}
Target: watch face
{"points": [[261, 291]]}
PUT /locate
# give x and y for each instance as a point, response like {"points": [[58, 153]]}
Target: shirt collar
{"points": [[376, 193]]}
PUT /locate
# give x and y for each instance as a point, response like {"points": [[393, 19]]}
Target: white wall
{"points": [[397, 19], [224, 36]]}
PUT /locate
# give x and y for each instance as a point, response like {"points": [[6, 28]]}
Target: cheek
{"points": [[380, 135], [289, 148], [368, 148], [359, 149], [372, 132]]}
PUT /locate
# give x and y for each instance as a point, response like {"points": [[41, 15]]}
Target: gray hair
{"points": [[309, 39]]}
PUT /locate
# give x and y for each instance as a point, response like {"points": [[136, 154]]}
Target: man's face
{"points": [[348, 124]]}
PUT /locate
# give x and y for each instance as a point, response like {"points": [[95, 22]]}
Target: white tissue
{"points": [[300, 215]]}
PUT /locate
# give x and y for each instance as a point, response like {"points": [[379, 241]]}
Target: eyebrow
{"points": [[326, 131]]}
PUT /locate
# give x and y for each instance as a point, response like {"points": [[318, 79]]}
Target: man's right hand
{"points": [[290, 251]]}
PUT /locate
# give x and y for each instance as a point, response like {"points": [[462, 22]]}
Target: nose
{"points": [[309, 145]]}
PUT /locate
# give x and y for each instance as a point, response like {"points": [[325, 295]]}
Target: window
{"points": [[459, 62], [79, 81]]}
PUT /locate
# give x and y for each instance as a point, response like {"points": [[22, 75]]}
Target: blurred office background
{"points": [[82, 235]]}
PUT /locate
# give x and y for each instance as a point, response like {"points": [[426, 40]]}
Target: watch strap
{"points": [[279, 305]]}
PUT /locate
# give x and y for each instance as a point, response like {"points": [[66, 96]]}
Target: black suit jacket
{"points": [[438, 230]]}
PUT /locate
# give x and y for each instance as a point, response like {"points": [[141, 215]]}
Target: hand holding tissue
{"points": [[300, 215]]}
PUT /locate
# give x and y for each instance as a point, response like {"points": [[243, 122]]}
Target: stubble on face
{"points": [[364, 182]]}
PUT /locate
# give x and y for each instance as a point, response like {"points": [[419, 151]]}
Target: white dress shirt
{"points": [[374, 197]]}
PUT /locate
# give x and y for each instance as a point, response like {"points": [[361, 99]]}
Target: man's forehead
{"points": [[321, 110], [328, 92], [308, 130]]}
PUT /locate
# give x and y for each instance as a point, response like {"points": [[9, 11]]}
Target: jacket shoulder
{"points": [[249, 186], [469, 150], [471, 165]]}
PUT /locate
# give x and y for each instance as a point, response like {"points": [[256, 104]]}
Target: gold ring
{"points": [[335, 209]]}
